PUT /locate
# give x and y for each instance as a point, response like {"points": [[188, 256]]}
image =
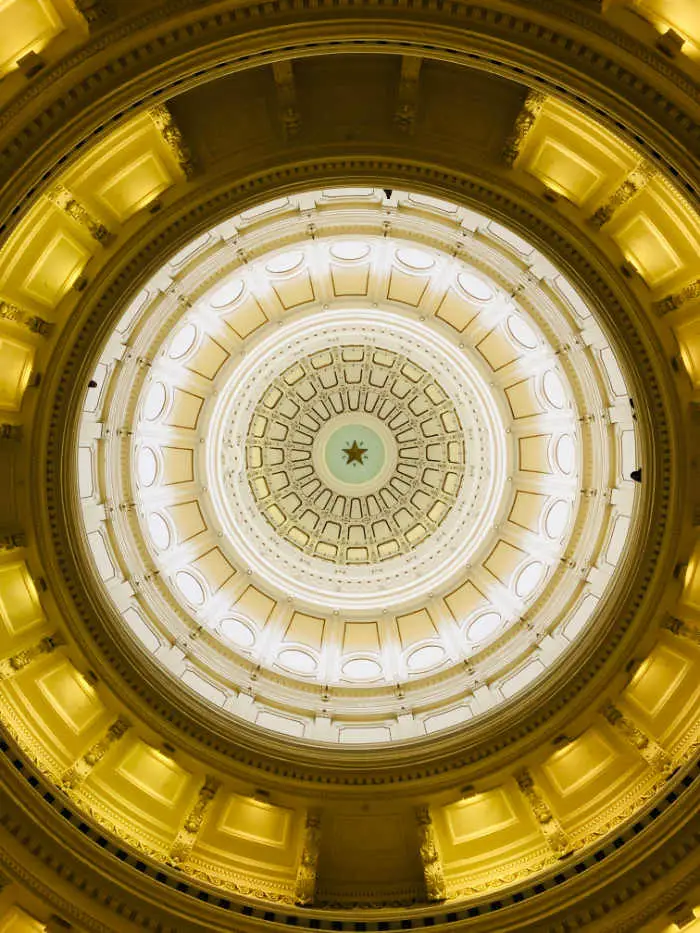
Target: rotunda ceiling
{"points": [[343, 471], [327, 596]]}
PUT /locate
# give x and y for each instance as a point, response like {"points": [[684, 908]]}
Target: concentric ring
{"points": [[516, 532]]}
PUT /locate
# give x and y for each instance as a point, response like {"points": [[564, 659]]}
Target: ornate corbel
{"points": [[187, 836], [18, 662], [65, 201], [409, 83], [648, 748], [524, 122], [80, 770], [682, 629], [172, 136], [305, 886], [10, 432], [682, 915], [433, 872], [677, 300], [283, 73], [56, 924], [554, 835], [635, 182], [93, 11], [37, 325]]}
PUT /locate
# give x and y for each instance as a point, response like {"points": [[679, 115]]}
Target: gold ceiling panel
{"points": [[575, 156], [27, 26]]}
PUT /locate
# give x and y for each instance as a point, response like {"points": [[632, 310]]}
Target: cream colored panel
{"points": [[242, 834], [585, 779], [256, 821], [572, 768], [503, 560], [465, 600], [471, 821], [661, 235], [565, 171], [71, 696], [178, 465], [497, 350], [534, 453], [361, 636], [456, 311], [305, 629], [649, 249], [26, 26], [522, 399], [408, 289], [255, 605], [184, 412], [527, 510], [15, 370], [135, 186], [188, 520], [143, 790], [297, 290], [350, 280], [415, 627], [486, 836], [50, 701], [246, 318], [208, 359], [20, 611], [154, 776], [215, 569], [44, 257], [55, 269]]}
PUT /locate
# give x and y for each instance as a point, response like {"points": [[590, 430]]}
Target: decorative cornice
{"points": [[376, 26], [56, 861]]}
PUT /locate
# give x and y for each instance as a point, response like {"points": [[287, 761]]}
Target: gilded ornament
{"points": [[554, 835], [305, 887], [433, 872], [531, 109]]}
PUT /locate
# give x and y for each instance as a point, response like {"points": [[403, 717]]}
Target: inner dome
{"points": [[375, 481]]}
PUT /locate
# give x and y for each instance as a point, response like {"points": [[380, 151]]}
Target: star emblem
{"points": [[354, 453]]}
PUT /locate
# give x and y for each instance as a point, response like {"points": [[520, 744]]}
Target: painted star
{"points": [[355, 453]]}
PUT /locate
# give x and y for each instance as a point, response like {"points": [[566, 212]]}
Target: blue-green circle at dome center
{"points": [[354, 453]]}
